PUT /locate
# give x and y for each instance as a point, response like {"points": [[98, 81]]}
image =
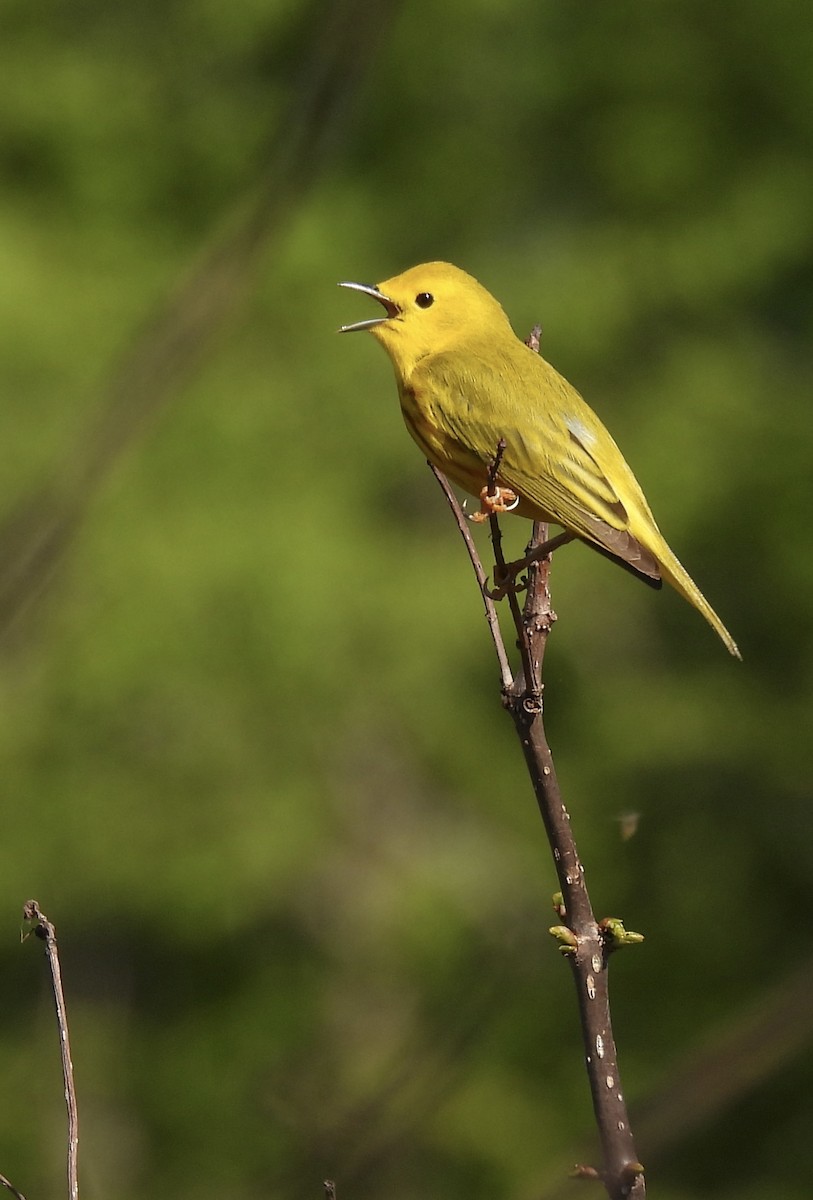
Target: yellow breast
{"points": [[442, 449]]}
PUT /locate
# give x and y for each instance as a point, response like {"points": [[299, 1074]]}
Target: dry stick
{"points": [[506, 573], [736, 1062], [587, 943], [588, 954], [44, 930], [591, 942], [499, 557], [491, 610]]}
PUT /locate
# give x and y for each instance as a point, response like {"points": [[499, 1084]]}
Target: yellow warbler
{"points": [[466, 382]]}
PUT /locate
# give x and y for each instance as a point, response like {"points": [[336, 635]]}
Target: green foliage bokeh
{"points": [[255, 766]]}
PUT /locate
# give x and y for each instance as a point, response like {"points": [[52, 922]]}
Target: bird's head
{"points": [[429, 309]]}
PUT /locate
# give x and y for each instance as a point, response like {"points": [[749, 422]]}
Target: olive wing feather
{"points": [[553, 443]]}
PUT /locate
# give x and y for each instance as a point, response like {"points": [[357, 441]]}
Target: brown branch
{"points": [[494, 469], [491, 610], [711, 1079], [513, 602], [507, 572], [43, 929], [586, 942]]}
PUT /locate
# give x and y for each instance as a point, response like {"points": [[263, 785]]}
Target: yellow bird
{"points": [[466, 382]]}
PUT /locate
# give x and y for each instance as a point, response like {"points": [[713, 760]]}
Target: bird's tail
{"points": [[682, 582]]}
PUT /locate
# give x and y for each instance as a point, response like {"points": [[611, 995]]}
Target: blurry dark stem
{"points": [[176, 339], [44, 930], [587, 944]]}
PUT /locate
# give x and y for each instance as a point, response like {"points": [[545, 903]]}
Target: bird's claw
{"points": [[500, 500], [505, 582]]}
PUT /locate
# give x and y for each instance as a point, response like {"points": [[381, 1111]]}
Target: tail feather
{"points": [[681, 581]]}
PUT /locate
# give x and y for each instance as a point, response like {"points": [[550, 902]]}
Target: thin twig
{"points": [[506, 674], [43, 929], [535, 552], [513, 602], [586, 942], [496, 544], [494, 470], [11, 1188], [721, 1071]]}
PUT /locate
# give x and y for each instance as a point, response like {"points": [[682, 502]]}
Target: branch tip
{"points": [[41, 927]]}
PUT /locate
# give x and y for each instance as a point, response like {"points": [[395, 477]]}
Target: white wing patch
{"points": [[580, 432]]}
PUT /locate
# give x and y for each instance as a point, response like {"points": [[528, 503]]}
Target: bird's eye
{"points": [[424, 299]]}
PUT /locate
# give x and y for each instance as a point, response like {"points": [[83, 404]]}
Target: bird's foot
{"points": [[500, 500], [505, 580], [505, 575]]}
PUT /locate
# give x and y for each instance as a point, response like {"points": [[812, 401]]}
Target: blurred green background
{"points": [[254, 762]]}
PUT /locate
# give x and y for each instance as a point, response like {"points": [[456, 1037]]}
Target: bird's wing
{"points": [[552, 452], [568, 483]]}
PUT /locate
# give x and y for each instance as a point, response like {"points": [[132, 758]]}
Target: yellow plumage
{"points": [[466, 381]]}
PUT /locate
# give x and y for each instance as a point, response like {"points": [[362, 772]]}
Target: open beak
{"points": [[370, 290]]}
